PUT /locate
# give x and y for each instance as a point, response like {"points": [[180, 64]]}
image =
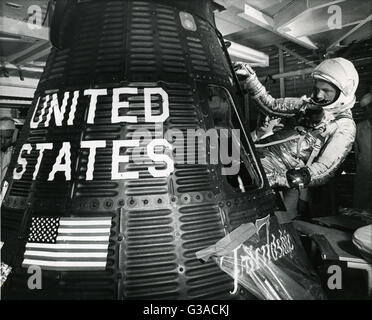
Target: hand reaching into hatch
{"points": [[243, 70]]}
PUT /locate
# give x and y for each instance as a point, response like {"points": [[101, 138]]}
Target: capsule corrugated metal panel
{"points": [[158, 223]]}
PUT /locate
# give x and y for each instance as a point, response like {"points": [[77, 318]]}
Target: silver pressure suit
{"points": [[318, 141]]}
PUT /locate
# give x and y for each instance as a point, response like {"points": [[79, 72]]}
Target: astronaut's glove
{"points": [[298, 178], [243, 70], [245, 73]]}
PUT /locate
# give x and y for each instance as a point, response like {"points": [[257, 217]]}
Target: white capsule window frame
{"points": [[187, 21]]}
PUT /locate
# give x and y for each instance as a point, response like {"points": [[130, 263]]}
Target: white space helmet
{"points": [[342, 74]]}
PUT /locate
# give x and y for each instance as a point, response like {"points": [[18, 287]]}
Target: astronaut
{"points": [[319, 131]]}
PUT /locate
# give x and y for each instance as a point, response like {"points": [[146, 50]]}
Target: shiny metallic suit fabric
{"points": [[293, 146]]}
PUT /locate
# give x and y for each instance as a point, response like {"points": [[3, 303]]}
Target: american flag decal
{"points": [[68, 243]]}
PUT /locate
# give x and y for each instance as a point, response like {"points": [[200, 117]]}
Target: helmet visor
{"points": [[324, 93]]}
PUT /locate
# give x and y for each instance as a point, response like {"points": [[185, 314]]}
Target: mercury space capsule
{"points": [[87, 200]]}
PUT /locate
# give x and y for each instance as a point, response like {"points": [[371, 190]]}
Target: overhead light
{"points": [[23, 68], [14, 5], [11, 38], [37, 63], [253, 57]]}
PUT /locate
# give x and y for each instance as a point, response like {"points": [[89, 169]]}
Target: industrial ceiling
{"points": [[316, 25]]}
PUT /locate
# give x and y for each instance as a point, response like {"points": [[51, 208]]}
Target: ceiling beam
{"points": [[32, 53], [336, 43], [228, 22], [257, 17], [17, 82], [18, 102], [263, 20], [317, 21], [21, 28], [322, 26], [226, 26], [289, 74], [23, 68], [16, 92], [36, 55], [297, 8], [296, 55], [23, 52]]}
